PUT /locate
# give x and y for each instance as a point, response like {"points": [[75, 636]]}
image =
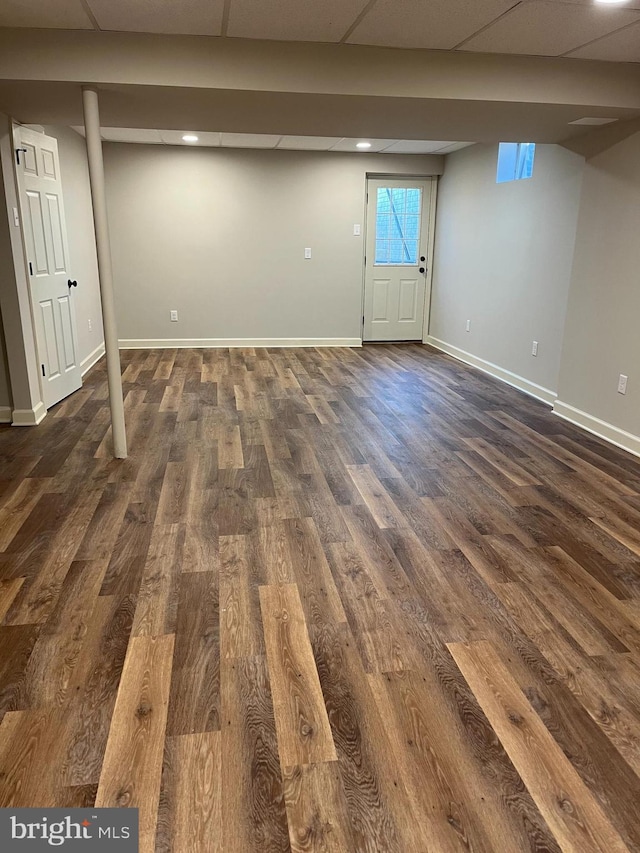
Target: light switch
{"points": [[356, 230], [16, 217], [307, 254]]}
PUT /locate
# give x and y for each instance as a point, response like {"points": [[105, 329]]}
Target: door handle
{"points": [[422, 258], [421, 269], [72, 284]]}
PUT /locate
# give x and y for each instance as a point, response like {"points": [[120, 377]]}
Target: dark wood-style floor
{"points": [[335, 600]]}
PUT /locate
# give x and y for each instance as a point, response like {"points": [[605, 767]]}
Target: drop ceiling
{"points": [[262, 140], [576, 28]]}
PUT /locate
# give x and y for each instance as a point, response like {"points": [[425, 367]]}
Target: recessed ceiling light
{"points": [[611, 2], [363, 145], [189, 137]]}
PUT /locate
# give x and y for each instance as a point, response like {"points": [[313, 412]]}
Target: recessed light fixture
{"points": [[189, 137], [612, 2], [363, 145]]}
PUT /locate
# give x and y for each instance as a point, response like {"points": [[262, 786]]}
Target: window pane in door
{"points": [[410, 252], [413, 201], [396, 254], [398, 214], [412, 227], [382, 227], [398, 199], [382, 252]]}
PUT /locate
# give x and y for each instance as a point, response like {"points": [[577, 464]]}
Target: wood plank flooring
{"points": [[338, 601]]}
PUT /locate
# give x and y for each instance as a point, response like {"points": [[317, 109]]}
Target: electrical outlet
{"points": [[534, 348], [307, 254], [622, 384], [90, 325], [174, 316], [468, 325]]}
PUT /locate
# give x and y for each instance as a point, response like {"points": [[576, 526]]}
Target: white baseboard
{"points": [[519, 382], [214, 343], [5, 415], [87, 363], [609, 432], [29, 417]]}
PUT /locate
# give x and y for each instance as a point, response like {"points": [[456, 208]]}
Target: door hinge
{"points": [[30, 268], [43, 373], [18, 150]]}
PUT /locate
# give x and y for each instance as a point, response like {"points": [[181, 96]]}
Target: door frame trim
{"points": [[431, 213], [431, 242]]}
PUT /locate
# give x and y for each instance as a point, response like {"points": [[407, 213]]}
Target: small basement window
{"points": [[515, 161]]}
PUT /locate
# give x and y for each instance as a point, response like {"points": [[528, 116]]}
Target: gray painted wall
{"points": [[503, 257], [219, 235], [602, 338]]}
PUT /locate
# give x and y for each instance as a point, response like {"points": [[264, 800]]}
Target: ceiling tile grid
{"points": [[581, 29], [626, 4], [436, 24], [544, 28], [308, 143], [187, 17], [415, 146], [249, 140], [377, 145], [621, 46], [293, 20], [55, 14], [259, 140]]}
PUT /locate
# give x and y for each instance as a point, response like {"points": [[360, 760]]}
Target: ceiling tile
{"points": [[249, 140], [628, 4], [189, 17], [438, 24], [308, 143], [131, 134], [455, 146], [592, 121], [59, 14], [545, 28], [376, 145], [415, 146], [296, 20], [205, 139], [623, 46]]}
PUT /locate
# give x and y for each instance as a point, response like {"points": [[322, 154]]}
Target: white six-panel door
{"points": [[48, 255], [396, 259]]}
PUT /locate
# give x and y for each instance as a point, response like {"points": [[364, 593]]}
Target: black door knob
{"points": [[422, 258], [72, 283], [421, 269]]}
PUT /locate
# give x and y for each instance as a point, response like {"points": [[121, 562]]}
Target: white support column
{"points": [[103, 245]]}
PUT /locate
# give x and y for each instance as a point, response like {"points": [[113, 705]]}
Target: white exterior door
{"points": [[398, 214], [52, 290]]}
